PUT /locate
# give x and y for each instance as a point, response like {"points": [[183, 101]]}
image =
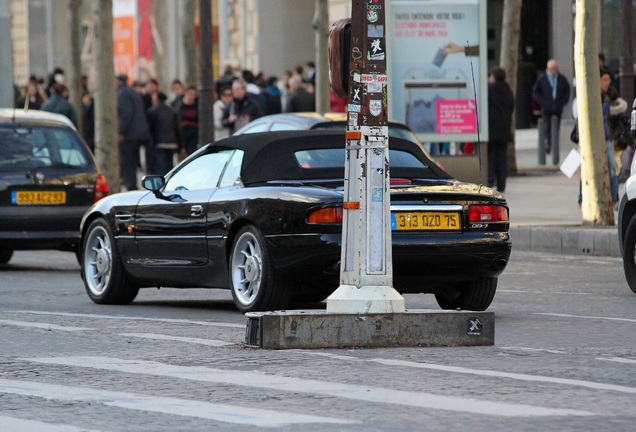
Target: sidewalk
{"points": [[544, 214]]}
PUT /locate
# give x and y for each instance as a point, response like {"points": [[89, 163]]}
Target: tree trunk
{"points": [[321, 25], [627, 51], [159, 9], [189, 44], [597, 205], [75, 63], [106, 144], [206, 93], [508, 59]]}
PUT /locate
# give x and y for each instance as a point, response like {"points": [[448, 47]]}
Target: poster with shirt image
{"points": [[435, 54]]}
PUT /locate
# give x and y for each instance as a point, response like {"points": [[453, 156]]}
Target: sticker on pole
{"points": [[474, 326]]}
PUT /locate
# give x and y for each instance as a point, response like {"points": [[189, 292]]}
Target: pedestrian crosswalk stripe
{"points": [[561, 315], [12, 424], [165, 405], [46, 326], [136, 318], [310, 386], [200, 341], [617, 360], [481, 372]]}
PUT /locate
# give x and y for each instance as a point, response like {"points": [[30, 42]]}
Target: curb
{"points": [[566, 240]]}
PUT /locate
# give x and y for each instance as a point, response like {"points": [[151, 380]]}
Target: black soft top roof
{"points": [[270, 156]]}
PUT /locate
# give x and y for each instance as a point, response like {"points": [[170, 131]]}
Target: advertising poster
{"points": [[124, 41], [438, 68]]}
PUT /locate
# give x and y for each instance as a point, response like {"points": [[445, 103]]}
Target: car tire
{"points": [[629, 254], [102, 270], [475, 295], [252, 276], [5, 255]]}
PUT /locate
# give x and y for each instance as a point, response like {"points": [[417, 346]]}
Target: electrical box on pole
{"points": [[366, 272]]}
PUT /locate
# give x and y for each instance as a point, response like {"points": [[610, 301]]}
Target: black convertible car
{"points": [[261, 215]]}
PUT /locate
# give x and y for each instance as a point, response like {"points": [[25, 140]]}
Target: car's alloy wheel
{"points": [[475, 295], [252, 274], [629, 254], [103, 273], [5, 255]]}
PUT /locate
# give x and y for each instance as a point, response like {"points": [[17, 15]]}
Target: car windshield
{"points": [[29, 147]]}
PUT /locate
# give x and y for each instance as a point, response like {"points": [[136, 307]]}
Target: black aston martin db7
{"points": [[261, 214]]}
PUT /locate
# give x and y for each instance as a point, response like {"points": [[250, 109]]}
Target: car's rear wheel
{"points": [[103, 273], [252, 275], [474, 295], [5, 255], [629, 254]]}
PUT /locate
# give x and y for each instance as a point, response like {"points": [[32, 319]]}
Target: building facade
{"points": [[276, 35]]}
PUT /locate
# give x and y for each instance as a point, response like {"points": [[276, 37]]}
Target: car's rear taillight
{"points": [[328, 215], [487, 213], [101, 188], [399, 182]]}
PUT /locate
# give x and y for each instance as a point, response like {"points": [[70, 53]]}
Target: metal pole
{"points": [[7, 96], [206, 94], [366, 270]]}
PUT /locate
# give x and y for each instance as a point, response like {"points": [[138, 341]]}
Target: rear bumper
{"points": [[33, 240], [418, 266]]}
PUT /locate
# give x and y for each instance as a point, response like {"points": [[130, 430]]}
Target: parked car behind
{"points": [[261, 214], [314, 121], [48, 179]]}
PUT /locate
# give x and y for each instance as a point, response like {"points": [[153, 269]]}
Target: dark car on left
{"points": [[261, 215], [48, 179]]}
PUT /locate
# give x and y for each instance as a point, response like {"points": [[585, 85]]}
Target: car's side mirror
{"points": [[153, 183]]}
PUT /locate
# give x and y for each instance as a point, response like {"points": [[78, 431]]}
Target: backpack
{"points": [[621, 134]]}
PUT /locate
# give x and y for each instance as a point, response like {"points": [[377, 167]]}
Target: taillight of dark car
{"points": [[487, 213], [101, 187], [328, 215]]}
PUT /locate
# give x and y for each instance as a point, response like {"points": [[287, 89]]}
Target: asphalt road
{"points": [[564, 359]]}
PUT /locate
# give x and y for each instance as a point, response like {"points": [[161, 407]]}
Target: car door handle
{"points": [[196, 210]]}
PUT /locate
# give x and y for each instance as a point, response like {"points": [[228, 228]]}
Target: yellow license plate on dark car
{"points": [[425, 221], [38, 197]]}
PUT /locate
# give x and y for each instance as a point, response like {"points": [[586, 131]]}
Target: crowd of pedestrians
{"points": [[166, 128]]}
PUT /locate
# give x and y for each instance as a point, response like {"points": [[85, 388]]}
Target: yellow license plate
{"points": [[425, 221], [38, 198]]}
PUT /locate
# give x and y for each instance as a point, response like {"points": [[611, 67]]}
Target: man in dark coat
{"points": [[300, 100], [552, 92], [133, 130], [165, 130], [242, 109], [500, 107]]}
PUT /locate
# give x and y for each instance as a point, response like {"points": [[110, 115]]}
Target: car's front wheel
{"points": [[252, 275], [103, 273], [5, 255], [629, 254], [474, 295]]}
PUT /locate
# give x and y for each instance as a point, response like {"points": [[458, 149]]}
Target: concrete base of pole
{"points": [[311, 329], [364, 300]]}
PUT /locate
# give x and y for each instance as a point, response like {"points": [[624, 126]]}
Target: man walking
{"points": [[552, 92], [500, 107], [133, 130]]}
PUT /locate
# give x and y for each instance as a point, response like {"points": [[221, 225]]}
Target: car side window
{"points": [[200, 173], [232, 174]]}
